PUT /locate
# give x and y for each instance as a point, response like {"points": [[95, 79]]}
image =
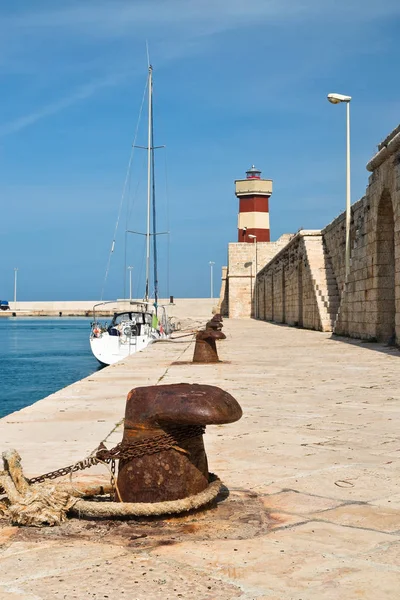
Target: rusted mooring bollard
{"points": [[171, 419], [205, 350], [215, 322]]}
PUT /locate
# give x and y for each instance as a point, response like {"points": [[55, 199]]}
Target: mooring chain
{"points": [[166, 441], [126, 451], [112, 478], [79, 466]]}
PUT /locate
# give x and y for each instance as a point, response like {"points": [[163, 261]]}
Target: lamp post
{"points": [[254, 237], [211, 263], [337, 99], [130, 283], [15, 287]]}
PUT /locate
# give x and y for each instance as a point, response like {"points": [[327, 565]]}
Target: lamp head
{"points": [[338, 98]]}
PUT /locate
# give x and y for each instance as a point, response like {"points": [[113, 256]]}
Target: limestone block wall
{"points": [[305, 285], [222, 306], [361, 254], [293, 288], [334, 236], [241, 274], [241, 270], [370, 299], [323, 281]]}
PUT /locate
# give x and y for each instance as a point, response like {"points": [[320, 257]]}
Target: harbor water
{"points": [[39, 356]]}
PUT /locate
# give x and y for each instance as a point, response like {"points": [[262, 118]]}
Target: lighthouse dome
{"points": [[253, 173]]}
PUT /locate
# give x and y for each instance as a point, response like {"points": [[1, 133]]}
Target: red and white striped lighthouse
{"points": [[253, 193]]}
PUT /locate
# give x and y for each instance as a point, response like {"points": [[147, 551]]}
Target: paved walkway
{"points": [[312, 468]]}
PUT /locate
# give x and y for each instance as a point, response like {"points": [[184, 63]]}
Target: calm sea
{"points": [[40, 356]]}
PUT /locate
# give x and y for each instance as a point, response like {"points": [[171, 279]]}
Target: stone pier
{"points": [[311, 508]]}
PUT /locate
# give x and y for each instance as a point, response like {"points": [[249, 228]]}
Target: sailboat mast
{"points": [[149, 164], [154, 219]]}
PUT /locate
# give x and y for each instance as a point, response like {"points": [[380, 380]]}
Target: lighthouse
{"points": [[253, 220]]}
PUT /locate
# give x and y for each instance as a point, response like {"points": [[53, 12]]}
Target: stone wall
{"points": [[296, 288], [222, 306], [370, 300], [304, 283], [244, 261]]}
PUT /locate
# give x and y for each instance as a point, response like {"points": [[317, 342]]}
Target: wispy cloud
{"points": [[112, 33], [82, 93]]}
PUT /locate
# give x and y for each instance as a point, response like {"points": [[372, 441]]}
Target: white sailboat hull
{"points": [[110, 349]]}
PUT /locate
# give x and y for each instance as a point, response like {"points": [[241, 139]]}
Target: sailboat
{"points": [[135, 324]]}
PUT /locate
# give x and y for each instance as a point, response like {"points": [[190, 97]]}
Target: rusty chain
{"points": [[126, 451], [112, 475]]}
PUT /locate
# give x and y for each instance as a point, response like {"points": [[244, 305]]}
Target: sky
{"points": [[236, 83]]}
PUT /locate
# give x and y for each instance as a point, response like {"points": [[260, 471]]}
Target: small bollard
{"points": [[205, 350], [215, 323], [178, 468], [217, 317]]}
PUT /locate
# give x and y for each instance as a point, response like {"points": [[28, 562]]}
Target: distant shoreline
{"points": [[84, 308]]}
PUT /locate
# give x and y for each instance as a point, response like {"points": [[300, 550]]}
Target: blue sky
{"points": [[236, 83]]}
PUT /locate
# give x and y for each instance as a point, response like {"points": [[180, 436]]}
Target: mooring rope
{"points": [[40, 504]]}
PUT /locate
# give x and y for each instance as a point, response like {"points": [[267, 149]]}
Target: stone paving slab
{"points": [[312, 469]]}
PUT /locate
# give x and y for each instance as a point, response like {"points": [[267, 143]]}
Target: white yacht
{"points": [[135, 324], [130, 331]]}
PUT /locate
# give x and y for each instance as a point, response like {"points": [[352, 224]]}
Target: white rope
{"points": [[89, 509]]}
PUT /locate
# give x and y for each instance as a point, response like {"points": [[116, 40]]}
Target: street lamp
{"points": [[130, 283], [211, 263], [254, 237], [337, 99]]}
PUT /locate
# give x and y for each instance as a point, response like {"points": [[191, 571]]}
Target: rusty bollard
{"points": [[205, 350], [217, 317], [215, 323], [180, 411]]}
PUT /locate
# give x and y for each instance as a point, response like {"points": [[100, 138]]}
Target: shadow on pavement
{"points": [[368, 345]]}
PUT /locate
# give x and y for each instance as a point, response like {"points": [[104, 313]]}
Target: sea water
{"points": [[39, 356]]}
